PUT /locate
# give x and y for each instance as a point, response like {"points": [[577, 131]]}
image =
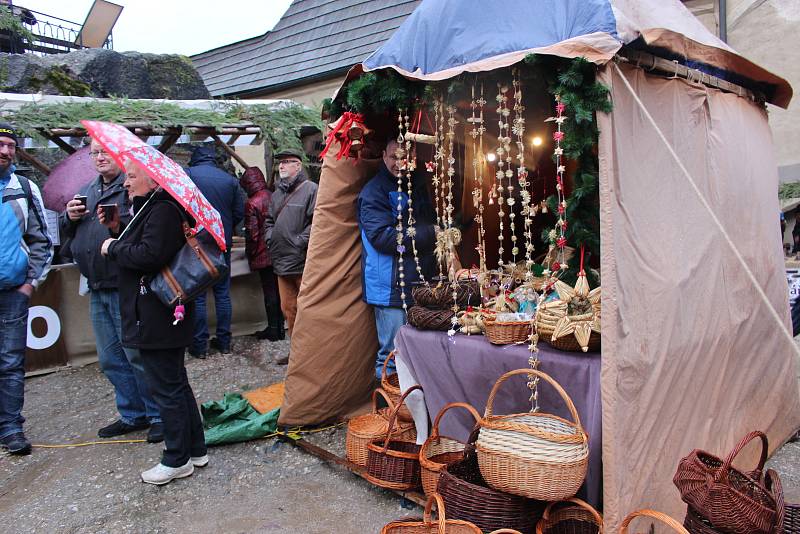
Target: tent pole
{"points": [[231, 152], [30, 158]]}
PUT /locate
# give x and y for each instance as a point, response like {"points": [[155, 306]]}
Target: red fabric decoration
{"points": [[350, 131]]}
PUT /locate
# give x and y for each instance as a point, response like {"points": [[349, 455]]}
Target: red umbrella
{"points": [[122, 145]]}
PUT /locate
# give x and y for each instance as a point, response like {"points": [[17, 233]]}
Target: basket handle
{"points": [[394, 415], [505, 531], [664, 518], [439, 508], [435, 431], [773, 483], [386, 397], [389, 358], [547, 378], [581, 504], [722, 472]]}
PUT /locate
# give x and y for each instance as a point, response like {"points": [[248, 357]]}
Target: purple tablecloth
{"points": [[464, 369]]}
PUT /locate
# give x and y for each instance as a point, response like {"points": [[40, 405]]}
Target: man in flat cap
{"points": [[288, 228]]}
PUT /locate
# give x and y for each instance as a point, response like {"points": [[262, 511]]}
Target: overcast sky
{"points": [[175, 26]]}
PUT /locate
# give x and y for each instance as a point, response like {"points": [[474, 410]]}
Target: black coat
{"points": [[151, 241], [87, 234], [288, 224]]}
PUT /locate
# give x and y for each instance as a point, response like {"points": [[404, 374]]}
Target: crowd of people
{"points": [[121, 229]]}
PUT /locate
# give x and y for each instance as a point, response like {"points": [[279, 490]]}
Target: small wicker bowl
{"points": [[507, 333]]}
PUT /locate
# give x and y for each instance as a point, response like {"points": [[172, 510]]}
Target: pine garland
{"points": [[575, 81]]}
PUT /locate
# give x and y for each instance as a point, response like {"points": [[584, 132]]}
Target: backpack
{"points": [[13, 258]]}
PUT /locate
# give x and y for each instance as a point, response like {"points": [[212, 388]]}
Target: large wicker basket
{"points": [[364, 428], [572, 516], [663, 518], [507, 333], [469, 497], [438, 450], [393, 462], [428, 526], [390, 383], [536, 455]]}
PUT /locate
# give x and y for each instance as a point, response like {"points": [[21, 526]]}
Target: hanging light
{"points": [[490, 157], [537, 141]]}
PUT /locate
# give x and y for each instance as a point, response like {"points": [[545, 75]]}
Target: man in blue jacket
{"points": [[222, 191], [25, 255], [377, 220]]}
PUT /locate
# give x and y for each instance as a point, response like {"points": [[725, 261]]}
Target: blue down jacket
{"points": [[377, 219]]}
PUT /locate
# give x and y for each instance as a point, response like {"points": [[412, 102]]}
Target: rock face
{"points": [[102, 73]]}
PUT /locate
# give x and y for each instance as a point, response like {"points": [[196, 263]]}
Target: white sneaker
{"points": [[200, 461], [161, 474]]}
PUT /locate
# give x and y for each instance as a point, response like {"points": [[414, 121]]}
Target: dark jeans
{"points": [[224, 313], [183, 427], [13, 338], [272, 298]]}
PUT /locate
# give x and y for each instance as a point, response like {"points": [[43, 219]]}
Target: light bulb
{"points": [[490, 157], [537, 141]]}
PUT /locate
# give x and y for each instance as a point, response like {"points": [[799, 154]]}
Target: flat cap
{"points": [[289, 153]]}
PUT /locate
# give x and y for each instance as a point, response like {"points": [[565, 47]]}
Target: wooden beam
{"points": [[329, 457], [63, 145], [168, 142], [30, 158], [231, 152]]}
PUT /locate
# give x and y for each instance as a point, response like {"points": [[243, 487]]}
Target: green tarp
{"points": [[232, 420]]}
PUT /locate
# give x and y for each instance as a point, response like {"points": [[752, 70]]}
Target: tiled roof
{"points": [[313, 40]]}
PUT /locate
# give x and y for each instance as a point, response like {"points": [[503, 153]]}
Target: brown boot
{"points": [[282, 360]]}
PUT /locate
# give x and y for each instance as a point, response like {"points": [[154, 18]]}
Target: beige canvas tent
{"points": [[695, 348]]}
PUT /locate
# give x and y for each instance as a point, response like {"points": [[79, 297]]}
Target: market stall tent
{"points": [[695, 347]]}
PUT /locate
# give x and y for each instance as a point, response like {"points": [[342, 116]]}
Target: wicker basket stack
{"points": [[363, 429], [535, 455], [390, 383], [438, 450]]}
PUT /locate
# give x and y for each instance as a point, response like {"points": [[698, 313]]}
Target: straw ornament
{"points": [[400, 246]]}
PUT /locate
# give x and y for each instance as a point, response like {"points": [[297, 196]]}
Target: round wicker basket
{"points": [[664, 518], [438, 450], [390, 383], [535, 455], [507, 333], [572, 516], [428, 526], [364, 428]]}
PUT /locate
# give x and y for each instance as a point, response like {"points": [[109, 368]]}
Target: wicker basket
{"points": [[428, 526], [539, 456], [468, 497], [393, 462], [732, 500], [438, 450], [507, 333], [664, 518], [364, 428], [390, 383], [791, 519], [572, 516]]}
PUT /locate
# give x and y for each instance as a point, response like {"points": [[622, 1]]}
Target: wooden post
{"points": [[231, 152], [30, 158], [63, 145]]}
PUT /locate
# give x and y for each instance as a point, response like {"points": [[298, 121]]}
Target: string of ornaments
{"points": [[557, 235]]}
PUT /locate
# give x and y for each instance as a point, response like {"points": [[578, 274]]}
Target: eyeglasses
{"points": [[288, 161], [9, 146], [99, 153]]}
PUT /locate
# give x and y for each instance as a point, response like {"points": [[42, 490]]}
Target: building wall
{"points": [[768, 33], [310, 95]]}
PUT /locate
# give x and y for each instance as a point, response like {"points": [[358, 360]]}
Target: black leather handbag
{"points": [[196, 267]]}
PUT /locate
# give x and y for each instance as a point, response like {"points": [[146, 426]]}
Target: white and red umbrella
{"points": [[123, 146]]}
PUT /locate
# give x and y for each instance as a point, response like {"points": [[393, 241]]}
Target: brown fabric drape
{"points": [[691, 357], [331, 369]]}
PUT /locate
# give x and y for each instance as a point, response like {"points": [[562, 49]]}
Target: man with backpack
{"points": [[25, 255]]}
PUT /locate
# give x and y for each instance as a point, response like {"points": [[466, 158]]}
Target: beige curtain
{"points": [[331, 369], [691, 356]]}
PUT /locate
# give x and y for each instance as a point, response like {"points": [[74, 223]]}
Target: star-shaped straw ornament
{"points": [[576, 312]]}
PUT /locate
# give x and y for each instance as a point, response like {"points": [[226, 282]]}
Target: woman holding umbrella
{"points": [[163, 197], [152, 239]]}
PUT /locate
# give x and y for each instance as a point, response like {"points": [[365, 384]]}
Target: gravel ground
{"points": [[259, 486]]}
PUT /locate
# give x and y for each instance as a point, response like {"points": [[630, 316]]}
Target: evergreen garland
{"points": [[574, 80]]}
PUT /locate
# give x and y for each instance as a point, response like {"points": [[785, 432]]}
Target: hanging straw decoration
{"points": [[439, 179], [400, 246], [503, 146], [478, 164], [450, 232], [557, 234], [518, 129], [409, 165]]}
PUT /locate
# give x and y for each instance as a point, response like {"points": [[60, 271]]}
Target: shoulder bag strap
{"points": [[289, 197]]}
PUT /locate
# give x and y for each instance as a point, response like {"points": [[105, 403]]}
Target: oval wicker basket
{"points": [[390, 383], [664, 518], [507, 333], [536, 455], [572, 516], [427, 526], [438, 450], [392, 461], [364, 428]]}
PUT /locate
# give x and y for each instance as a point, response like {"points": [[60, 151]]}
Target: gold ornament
{"points": [[576, 313]]}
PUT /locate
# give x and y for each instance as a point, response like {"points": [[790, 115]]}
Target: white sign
{"points": [[53, 327]]}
